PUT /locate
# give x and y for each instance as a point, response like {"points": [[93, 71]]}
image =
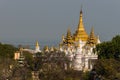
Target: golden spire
{"points": [[68, 33], [37, 44], [46, 49], [92, 39], [92, 35], [68, 39], [80, 25], [51, 49], [80, 32]]}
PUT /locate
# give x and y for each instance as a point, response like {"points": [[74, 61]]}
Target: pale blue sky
{"points": [[46, 20]]}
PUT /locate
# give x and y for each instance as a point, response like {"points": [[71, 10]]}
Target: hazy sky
{"points": [[46, 20]]}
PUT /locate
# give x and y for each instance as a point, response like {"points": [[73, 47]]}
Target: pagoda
{"points": [[80, 33], [37, 47], [79, 47]]}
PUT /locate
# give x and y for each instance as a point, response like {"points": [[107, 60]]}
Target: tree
{"points": [[28, 59], [21, 73], [7, 50], [6, 59], [108, 68], [116, 42], [108, 64], [109, 49]]}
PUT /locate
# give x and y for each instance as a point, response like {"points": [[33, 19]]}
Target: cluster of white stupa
{"points": [[81, 59]]}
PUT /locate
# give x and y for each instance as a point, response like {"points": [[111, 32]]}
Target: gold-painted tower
{"points": [[68, 40], [37, 44], [80, 33], [92, 40]]}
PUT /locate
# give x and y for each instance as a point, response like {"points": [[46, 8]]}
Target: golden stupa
{"points": [[92, 40], [37, 44], [68, 40], [80, 33]]}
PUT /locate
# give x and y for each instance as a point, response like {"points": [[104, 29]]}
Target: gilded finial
{"points": [[68, 32], [68, 29], [92, 31], [46, 49], [81, 9]]}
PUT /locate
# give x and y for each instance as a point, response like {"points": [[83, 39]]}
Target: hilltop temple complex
{"points": [[79, 47]]}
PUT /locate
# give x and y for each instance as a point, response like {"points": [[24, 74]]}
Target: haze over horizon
{"points": [[25, 21]]}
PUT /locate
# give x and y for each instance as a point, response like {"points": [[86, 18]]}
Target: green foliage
{"points": [[21, 73], [6, 59], [108, 68], [108, 64], [116, 42], [109, 49], [116, 39], [28, 58], [7, 50]]}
